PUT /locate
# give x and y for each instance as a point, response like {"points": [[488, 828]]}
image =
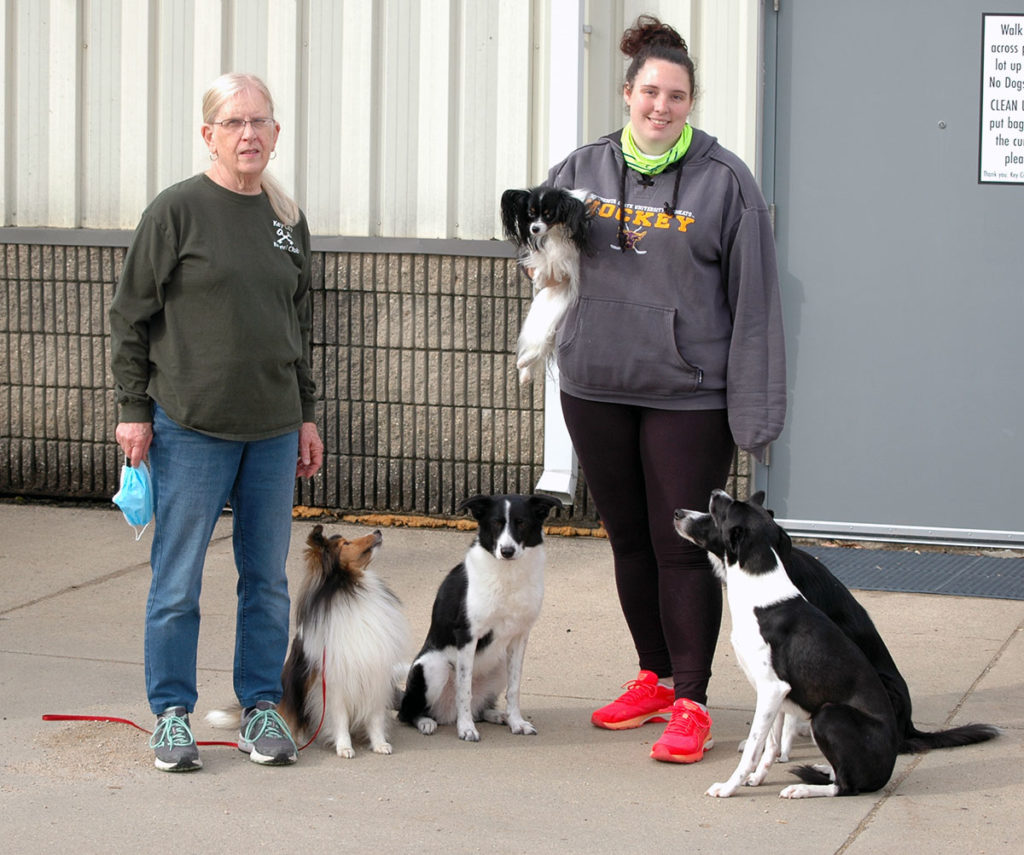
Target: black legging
{"points": [[641, 464]]}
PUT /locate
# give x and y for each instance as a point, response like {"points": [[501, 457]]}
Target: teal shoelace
{"points": [[266, 723], [171, 730]]}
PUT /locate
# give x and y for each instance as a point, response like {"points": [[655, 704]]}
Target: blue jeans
{"points": [[194, 475]]}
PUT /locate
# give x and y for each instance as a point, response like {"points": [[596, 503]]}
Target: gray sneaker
{"points": [[265, 737], [173, 742]]}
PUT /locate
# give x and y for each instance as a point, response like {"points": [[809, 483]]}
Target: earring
{"points": [[213, 155], [273, 154]]}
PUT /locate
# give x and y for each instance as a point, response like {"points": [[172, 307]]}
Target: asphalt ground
{"points": [[73, 583]]}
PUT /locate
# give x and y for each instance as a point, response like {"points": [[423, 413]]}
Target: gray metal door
{"points": [[902, 277]]}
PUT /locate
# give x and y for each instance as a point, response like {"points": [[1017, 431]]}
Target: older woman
{"points": [[210, 353]]}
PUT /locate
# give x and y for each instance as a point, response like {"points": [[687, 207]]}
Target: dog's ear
{"points": [[513, 206], [542, 504], [318, 552], [476, 505], [758, 498], [719, 506], [577, 216], [316, 538], [735, 537]]}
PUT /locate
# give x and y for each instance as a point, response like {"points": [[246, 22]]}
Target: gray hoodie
{"points": [[679, 305]]}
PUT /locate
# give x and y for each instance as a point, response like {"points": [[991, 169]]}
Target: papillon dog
{"points": [[550, 227]]}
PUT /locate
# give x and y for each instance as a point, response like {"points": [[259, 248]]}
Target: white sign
{"points": [[1002, 100]]}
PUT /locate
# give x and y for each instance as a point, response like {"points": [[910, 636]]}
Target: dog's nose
{"points": [[680, 513], [508, 552], [534, 228]]}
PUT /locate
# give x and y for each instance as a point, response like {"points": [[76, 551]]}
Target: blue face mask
{"points": [[135, 498]]}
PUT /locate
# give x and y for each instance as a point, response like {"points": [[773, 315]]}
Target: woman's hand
{"points": [[311, 451], [134, 439]]}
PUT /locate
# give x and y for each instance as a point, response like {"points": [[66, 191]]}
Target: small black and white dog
{"points": [[550, 227], [821, 588], [481, 620], [800, 662]]}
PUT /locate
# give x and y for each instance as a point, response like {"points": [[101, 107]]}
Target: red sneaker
{"points": [[645, 700], [687, 736]]}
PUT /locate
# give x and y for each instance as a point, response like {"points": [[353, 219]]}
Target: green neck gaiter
{"points": [[644, 163]]}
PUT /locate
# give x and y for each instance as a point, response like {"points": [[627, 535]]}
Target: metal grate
{"points": [[925, 572], [413, 355], [56, 408]]}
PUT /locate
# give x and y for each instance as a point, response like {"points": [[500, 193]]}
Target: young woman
{"points": [[673, 355]]}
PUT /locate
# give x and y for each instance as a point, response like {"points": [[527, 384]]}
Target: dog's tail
{"points": [[916, 741], [226, 719], [812, 775]]}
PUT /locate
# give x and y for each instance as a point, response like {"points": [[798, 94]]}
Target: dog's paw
{"points": [[382, 748], [525, 365], [721, 791], [469, 734], [522, 727], [494, 716], [346, 751], [808, 791], [426, 725]]}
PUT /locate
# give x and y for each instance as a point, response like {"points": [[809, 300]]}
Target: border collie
{"points": [[350, 640], [550, 227], [822, 589], [481, 620], [802, 663]]}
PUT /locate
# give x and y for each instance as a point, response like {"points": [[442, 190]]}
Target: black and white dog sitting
{"points": [[550, 228], [481, 620], [821, 588], [802, 663]]}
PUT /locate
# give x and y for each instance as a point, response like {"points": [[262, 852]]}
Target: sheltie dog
{"points": [[550, 227], [350, 640], [481, 620]]}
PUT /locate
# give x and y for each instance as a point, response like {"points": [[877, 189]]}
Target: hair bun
{"points": [[649, 32]]}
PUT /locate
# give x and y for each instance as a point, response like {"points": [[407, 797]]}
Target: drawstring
{"points": [[621, 236], [670, 207]]}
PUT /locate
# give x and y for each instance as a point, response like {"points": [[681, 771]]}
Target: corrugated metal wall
{"points": [[400, 118], [402, 122]]}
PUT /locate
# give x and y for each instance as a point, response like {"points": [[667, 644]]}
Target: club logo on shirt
{"points": [[633, 237], [284, 238]]}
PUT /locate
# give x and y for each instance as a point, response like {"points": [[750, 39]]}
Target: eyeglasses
{"points": [[234, 126]]}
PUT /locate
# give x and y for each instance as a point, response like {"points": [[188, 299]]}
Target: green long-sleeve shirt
{"points": [[211, 316]]}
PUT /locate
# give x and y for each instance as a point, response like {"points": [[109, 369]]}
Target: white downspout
{"points": [[565, 132]]}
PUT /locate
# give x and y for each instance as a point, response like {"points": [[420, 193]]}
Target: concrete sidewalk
{"points": [[73, 585]]}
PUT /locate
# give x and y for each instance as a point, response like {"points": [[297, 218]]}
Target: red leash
{"points": [[122, 721], [115, 720]]}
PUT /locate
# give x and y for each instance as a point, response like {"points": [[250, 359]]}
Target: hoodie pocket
{"points": [[620, 346]]}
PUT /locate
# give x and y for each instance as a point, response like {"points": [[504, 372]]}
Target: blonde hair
{"points": [[221, 90]]}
